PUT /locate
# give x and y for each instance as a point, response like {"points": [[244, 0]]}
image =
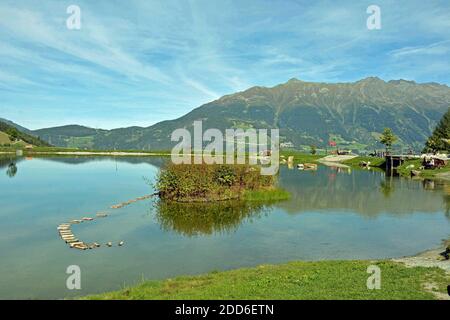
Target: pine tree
{"points": [[439, 140]]}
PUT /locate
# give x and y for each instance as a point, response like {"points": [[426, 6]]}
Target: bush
{"points": [[203, 182]]}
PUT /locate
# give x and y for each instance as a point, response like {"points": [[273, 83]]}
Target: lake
{"points": [[334, 213]]}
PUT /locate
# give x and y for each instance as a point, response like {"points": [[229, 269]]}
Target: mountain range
{"points": [[307, 113]]}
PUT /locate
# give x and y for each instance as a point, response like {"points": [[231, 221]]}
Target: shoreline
{"points": [[422, 276], [88, 153]]}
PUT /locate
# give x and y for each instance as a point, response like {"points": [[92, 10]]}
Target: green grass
{"points": [[266, 195], [4, 138], [300, 157], [374, 161], [405, 170], [295, 280]]}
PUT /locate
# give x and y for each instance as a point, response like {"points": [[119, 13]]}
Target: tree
{"points": [[388, 138], [313, 149], [439, 140], [13, 133]]}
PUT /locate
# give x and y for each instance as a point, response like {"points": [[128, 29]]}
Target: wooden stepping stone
{"points": [[81, 247], [76, 243], [101, 215]]}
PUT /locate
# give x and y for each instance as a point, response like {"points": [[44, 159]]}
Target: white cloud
{"points": [[438, 48]]}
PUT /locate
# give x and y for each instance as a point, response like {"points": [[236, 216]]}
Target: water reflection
{"points": [[387, 187], [192, 219], [10, 163], [446, 198], [77, 160], [368, 193], [12, 170]]}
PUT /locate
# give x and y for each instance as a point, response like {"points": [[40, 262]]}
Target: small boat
{"points": [[109, 244], [300, 166], [88, 219], [121, 243]]}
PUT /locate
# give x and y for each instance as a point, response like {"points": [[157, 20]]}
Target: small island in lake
{"points": [[218, 182]]}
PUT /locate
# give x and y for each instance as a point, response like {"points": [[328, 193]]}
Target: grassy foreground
{"points": [[295, 280]]}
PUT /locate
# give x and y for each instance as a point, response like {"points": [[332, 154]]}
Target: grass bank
{"points": [[374, 161], [266, 195], [295, 280], [409, 165], [300, 157]]}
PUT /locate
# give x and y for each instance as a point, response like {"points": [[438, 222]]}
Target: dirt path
{"points": [[429, 259]]}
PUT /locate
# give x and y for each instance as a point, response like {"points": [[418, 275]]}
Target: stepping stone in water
{"points": [[101, 215], [73, 244]]}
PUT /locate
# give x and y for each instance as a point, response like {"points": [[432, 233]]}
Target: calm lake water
{"points": [[333, 214]]}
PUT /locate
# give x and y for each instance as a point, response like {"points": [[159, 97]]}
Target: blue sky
{"points": [[140, 62]]}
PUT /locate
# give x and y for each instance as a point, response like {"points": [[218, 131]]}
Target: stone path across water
{"points": [[66, 234]]}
